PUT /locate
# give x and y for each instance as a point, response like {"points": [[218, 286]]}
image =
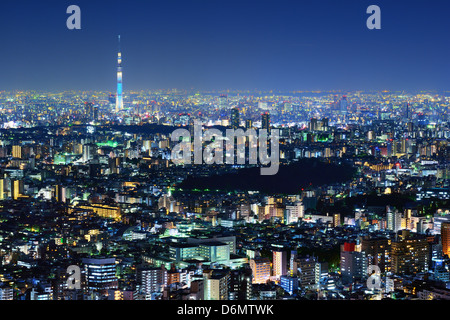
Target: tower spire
{"points": [[119, 96]]}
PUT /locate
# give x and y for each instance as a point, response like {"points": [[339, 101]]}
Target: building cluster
{"points": [[84, 184]]}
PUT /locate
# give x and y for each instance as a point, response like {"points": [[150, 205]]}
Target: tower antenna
{"points": [[119, 96]]}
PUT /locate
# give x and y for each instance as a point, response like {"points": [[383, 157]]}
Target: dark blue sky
{"points": [[234, 44]]}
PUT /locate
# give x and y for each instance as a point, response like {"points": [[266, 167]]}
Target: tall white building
{"points": [[88, 152], [216, 285], [308, 272], [394, 220], [279, 263], [152, 280], [294, 212]]}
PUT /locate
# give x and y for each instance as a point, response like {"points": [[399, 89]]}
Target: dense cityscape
{"points": [[363, 184], [224, 158]]}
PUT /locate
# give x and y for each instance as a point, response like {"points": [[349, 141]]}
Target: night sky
{"points": [[234, 44]]}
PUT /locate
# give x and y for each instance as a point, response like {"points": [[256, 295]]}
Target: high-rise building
{"points": [[6, 293], [17, 152], [294, 212], [279, 263], [240, 287], [60, 193], [216, 284], [2, 189], [438, 221], [407, 111], [377, 252], [16, 189], [151, 280], [100, 273], [119, 96], [353, 263], [394, 219], [293, 264], [325, 124], [289, 284], [336, 220], [114, 164], [260, 270], [343, 105], [95, 113], [308, 272], [265, 121], [88, 111], [174, 276], [197, 290], [235, 118], [445, 238], [410, 254], [313, 124], [88, 152]]}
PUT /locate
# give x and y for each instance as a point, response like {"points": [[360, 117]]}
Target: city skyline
{"points": [[225, 151], [93, 205], [220, 46]]}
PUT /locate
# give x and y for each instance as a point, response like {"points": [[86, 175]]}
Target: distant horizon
{"points": [[316, 91]]}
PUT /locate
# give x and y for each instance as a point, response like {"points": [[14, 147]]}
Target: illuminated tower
{"points": [[119, 96]]}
